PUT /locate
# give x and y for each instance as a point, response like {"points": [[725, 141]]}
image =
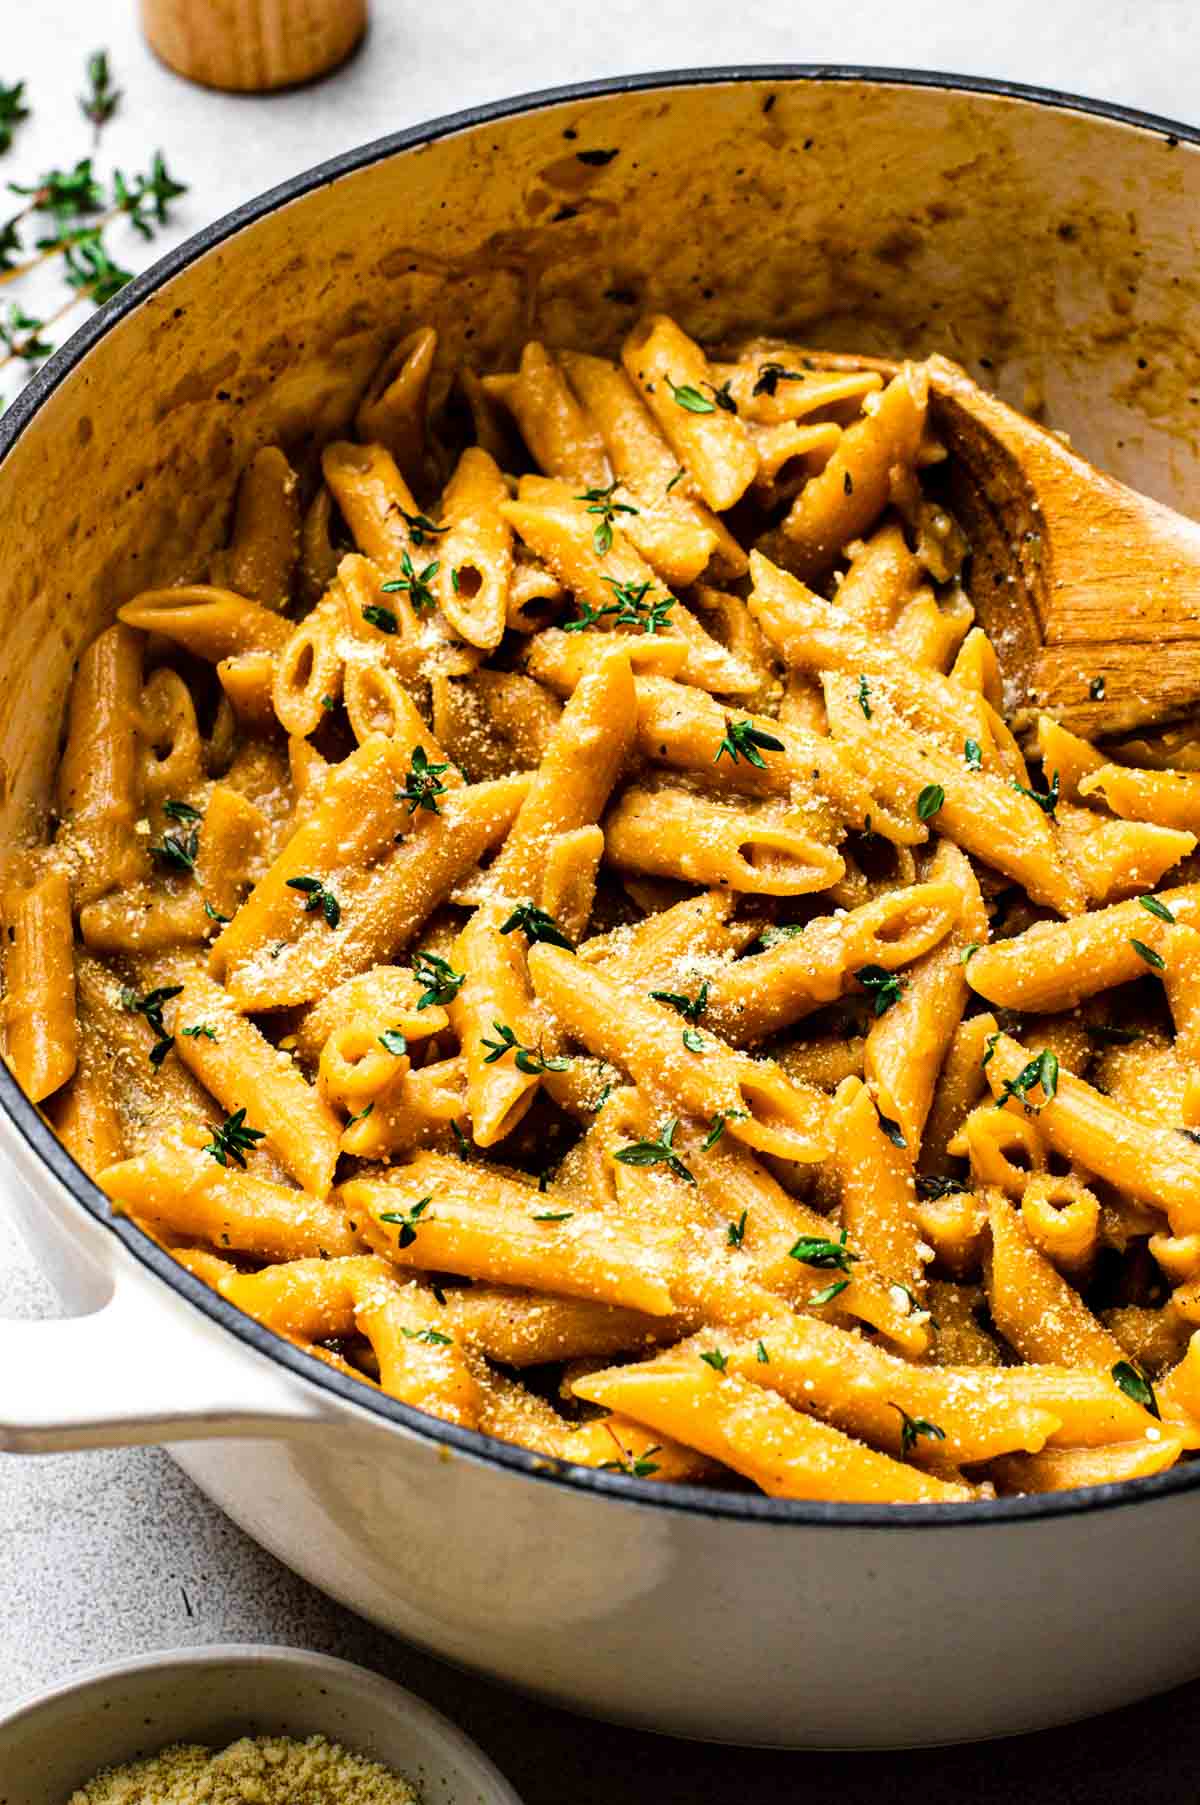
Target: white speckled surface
{"points": [[108, 1555]]}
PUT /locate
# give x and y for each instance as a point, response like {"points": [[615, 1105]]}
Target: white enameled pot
{"points": [[1047, 243]]}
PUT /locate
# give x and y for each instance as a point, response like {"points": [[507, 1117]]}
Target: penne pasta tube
{"points": [[977, 809], [309, 670], [1062, 1219], [385, 996], [882, 578], [560, 435], [179, 1189], [495, 996], [793, 1249], [264, 546], [1065, 756], [248, 679], [570, 877], [464, 1219], [854, 487], [41, 1035], [355, 821], [787, 1453], [1165, 798], [236, 1062], [982, 1412], [381, 908], [762, 1108], [1056, 965], [213, 623], [1118, 859], [1035, 1309], [1181, 981], [875, 1186], [915, 1020], [1152, 1164], [767, 991], [672, 375], [575, 776], [644, 463], [98, 792], [395, 403], [683, 728], [84, 1113], [761, 847], [556, 526], [1065, 1469], [475, 551]]}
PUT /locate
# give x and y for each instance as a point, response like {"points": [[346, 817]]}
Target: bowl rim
{"points": [[310, 1666], [472, 1444]]}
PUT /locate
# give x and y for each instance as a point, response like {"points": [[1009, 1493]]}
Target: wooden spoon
{"points": [[1089, 590]]}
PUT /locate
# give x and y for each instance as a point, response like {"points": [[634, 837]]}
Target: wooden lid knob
{"points": [[251, 45]]}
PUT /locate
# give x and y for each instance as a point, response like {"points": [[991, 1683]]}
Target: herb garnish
{"points": [[12, 112], [1152, 959], [431, 1337], [744, 740], [180, 850], [631, 608], [693, 1041], [1136, 1387], [600, 501], [151, 1006], [932, 1185], [383, 618], [657, 1153], [718, 1126], [679, 474], [913, 1426], [393, 1040], [406, 1220], [1152, 906], [762, 1355], [552, 1215], [893, 1130], [638, 1466], [318, 898], [884, 987], [198, 1030], [864, 696], [526, 1059], [716, 1359], [233, 1140], [419, 527], [181, 811], [100, 102], [444, 983], [735, 1232], [769, 377], [723, 397], [422, 783], [689, 398], [1042, 1069], [536, 925], [691, 1008], [828, 1292], [818, 1250], [414, 582], [930, 801], [973, 755], [1047, 800]]}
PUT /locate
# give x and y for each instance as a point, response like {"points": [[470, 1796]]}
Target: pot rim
{"points": [[44, 1144]]}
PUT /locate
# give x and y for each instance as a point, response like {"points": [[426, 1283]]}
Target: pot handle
{"points": [[141, 1370]]}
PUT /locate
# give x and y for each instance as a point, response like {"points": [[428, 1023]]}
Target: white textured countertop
{"points": [[110, 1555]]}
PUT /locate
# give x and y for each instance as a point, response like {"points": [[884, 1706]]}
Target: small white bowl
{"points": [[54, 1743]]}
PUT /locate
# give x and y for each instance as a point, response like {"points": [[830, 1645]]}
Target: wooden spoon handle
{"points": [[251, 45]]}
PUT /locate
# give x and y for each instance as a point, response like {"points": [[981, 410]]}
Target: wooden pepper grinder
{"points": [[252, 45]]}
